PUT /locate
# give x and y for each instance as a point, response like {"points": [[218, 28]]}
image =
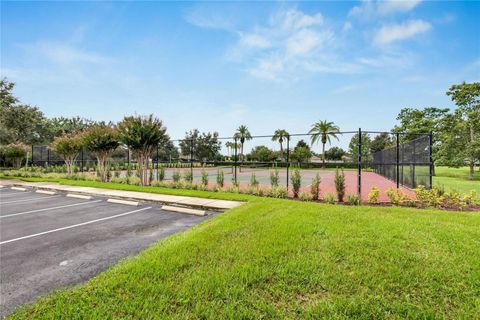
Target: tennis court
{"points": [[49, 241]]}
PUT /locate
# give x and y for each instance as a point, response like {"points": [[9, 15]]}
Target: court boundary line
{"points": [[73, 226]]}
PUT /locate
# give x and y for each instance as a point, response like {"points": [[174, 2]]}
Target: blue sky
{"points": [[214, 66]]}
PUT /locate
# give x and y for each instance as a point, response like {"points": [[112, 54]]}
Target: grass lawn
{"points": [[456, 179], [280, 259]]}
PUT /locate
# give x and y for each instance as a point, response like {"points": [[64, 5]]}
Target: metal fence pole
{"points": [[235, 162], [48, 156], [158, 155], [288, 159], [430, 137], [82, 164], [128, 158], [191, 157], [414, 185], [32, 157], [398, 161], [359, 162]]}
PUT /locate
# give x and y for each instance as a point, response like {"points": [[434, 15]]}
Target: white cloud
{"points": [[370, 9], [62, 53], [254, 41], [395, 32], [293, 19]]}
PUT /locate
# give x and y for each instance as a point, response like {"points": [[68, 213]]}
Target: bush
{"points": [[329, 198], [253, 181], [340, 185], [204, 177], [188, 176], [14, 153], [274, 178], [353, 199], [373, 195], [396, 196], [315, 187], [220, 178], [296, 182], [278, 192], [161, 174], [122, 180], [303, 196], [176, 176]]}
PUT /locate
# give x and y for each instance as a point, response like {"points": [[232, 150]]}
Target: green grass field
{"points": [[456, 179], [281, 259]]}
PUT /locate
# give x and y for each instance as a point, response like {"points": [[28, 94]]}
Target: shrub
{"points": [[274, 178], [303, 196], [340, 185], [296, 182], [315, 187], [373, 195], [176, 176], [188, 176], [353, 199], [133, 180], [396, 196], [253, 181], [161, 174], [14, 153], [220, 178], [254, 190], [204, 177], [329, 198], [278, 192], [122, 180]]}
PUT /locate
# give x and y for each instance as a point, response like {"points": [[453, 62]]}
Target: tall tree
{"points": [[242, 135], [68, 147], [101, 140], [323, 131], [366, 146], [381, 142], [142, 134], [60, 126], [465, 123], [205, 145], [280, 135]]}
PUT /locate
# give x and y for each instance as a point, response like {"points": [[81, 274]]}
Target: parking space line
{"points": [[45, 209], [19, 188], [8, 194], [29, 200], [74, 226]]}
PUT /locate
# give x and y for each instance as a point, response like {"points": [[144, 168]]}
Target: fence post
{"points": [[128, 158], [191, 157], [48, 156], [235, 162], [413, 165], [32, 157], [359, 162], [81, 168], [158, 155], [288, 159], [430, 142], [398, 161]]}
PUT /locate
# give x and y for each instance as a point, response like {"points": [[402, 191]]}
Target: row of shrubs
{"points": [[433, 197]]}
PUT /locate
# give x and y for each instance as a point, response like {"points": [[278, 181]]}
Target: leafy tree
{"points": [[381, 142], [462, 129], [335, 153], [366, 143], [262, 153], [323, 131], [302, 144], [68, 147], [205, 145], [280, 135], [301, 154], [14, 153], [242, 135], [142, 134], [101, 140], [60, 126]]}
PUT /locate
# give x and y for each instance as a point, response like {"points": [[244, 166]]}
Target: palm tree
{"points": [[242, 134], [229, 145], [280, 135], [323, 130]]}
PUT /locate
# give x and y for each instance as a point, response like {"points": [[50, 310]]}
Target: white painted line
{"points": [[1, 187], [45, 192], [30, 200], [46, 209], [79, 196], [19, 188], [10, 194], [74, 226], [129, 203], [184, 210]]}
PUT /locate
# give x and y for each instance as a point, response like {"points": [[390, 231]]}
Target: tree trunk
{"points": [[241, 152], [323, 155], [472, 170], [281, 149]]}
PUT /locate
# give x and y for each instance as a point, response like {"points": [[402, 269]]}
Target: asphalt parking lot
{"points": [[52, 241]]}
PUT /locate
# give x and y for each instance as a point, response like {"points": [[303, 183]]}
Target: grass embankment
{"points": [[280, 259], [456, 179]]}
